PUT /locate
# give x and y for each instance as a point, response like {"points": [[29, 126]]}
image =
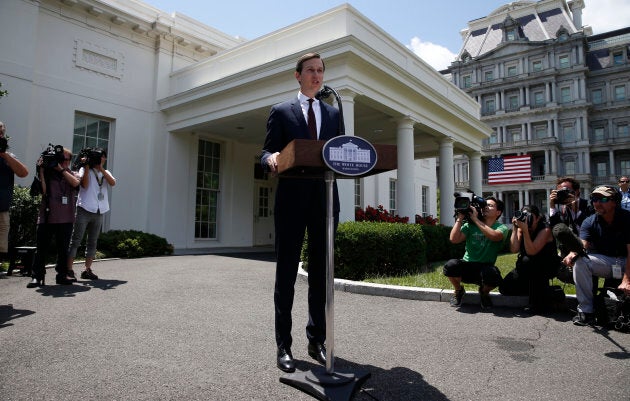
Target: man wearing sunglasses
{"points": [[625, 192], [606, 238]]}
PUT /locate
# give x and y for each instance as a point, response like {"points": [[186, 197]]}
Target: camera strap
{"points": [[100, 184]]}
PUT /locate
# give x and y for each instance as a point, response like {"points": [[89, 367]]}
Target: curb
{"points": [[425, 294]]}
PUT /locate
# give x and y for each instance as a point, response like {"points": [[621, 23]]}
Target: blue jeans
{"points": [[583, 272], [91, 222]]}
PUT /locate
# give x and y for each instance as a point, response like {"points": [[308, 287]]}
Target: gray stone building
{"points": [[550, 89]]}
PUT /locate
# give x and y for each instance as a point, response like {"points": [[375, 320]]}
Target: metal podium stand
{"points": [[303, 158]]}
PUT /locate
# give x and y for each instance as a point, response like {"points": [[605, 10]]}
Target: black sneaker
{"points": [[88, 275], [71, 275], [486, 301], [584, 319], [458, 295]]}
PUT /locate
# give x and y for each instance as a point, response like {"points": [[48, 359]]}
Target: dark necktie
{"points": [[312, 125]]}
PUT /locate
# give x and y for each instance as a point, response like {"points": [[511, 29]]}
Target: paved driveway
{"points": [[200, 327]]}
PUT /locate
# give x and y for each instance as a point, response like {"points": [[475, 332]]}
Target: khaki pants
{"points": [[5, 222]]}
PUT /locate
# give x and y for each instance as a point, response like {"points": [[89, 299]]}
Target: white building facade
{"points": [[181, 109]]}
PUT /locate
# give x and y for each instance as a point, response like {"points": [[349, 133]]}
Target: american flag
{"points": [[510, 169]]}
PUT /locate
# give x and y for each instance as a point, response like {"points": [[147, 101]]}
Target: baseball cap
{"points": [[605, 191]]}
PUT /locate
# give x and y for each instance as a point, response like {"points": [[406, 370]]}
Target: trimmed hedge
{"points": [[132, 244], [368, 249], [372, 249]]}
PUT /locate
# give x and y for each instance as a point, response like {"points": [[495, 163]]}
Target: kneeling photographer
{"points": [[484, 234], [537, 260], [58, 187], [92, 204]]}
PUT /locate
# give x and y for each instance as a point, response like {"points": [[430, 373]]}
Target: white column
{"points": [[547, 163], [346, 186], [405, 185], [587, 164], [474, 167], [447, 186], [526, 201], [611, 166]]}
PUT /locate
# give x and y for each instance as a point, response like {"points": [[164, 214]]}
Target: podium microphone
{"points": [[325, 92]]}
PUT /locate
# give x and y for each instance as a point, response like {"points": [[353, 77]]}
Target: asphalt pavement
{"points": [[200, 327]]}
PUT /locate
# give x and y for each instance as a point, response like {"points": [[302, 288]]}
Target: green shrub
{"points": [[438, 245], [23, 211], [133, 244], [365, 249]]}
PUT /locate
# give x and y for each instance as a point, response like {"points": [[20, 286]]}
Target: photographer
{"points": [[92, 203], [484, 236], [606, 236], [567, 211], [537, 260], [10, 166], [56, 212]]}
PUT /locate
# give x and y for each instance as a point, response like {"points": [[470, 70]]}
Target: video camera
{"points": [[52, 156], [464, 201], [88, 156]]}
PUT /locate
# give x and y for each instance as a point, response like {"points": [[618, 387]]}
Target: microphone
{"points": [[324, 92]]}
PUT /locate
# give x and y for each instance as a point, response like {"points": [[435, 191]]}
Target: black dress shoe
{"points": [[317, 351], [285, 361], [35, 283]]}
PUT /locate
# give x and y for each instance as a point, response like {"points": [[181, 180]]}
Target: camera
{"points": [[563, 196], [4, 144], [88, 156], [464, 201], [521, 215], [52, 156]]}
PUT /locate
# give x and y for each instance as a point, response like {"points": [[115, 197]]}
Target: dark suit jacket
{"points": [[286, 122]]}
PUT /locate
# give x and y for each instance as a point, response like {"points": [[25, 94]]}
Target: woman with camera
{"points": [[537, 260], [92, 203], [56, 212]]}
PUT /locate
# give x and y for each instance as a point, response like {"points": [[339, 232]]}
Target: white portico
{"points": [[389, 96]]}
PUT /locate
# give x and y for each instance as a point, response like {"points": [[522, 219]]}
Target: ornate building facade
{"points": [[548, 88]]}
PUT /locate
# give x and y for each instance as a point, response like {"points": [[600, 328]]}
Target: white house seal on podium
{"points": [[349, 155]]}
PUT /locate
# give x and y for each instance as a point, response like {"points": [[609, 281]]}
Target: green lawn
{"points": [[432, 277]]}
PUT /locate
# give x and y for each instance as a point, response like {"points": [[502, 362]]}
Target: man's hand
{"points": [[569, 260], [272, 162]]}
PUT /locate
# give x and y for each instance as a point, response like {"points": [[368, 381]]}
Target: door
{"points": [[263, 214]]}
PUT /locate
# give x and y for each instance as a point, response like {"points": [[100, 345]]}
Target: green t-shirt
{"points": [[479, 248]]}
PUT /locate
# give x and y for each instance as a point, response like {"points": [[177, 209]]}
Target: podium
{"points": [[305, 158]]}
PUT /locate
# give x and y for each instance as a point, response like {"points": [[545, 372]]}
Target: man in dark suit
{"points": [[301, 205]]}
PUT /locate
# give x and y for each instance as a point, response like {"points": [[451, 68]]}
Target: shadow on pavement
{"points": [[621, 354], [511, 313], [261, 256], [8, 313], [58, 291], [398, 383], [103, 284]]}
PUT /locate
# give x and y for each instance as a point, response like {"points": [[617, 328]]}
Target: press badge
{"points": [[616, 270], [64, 200]]}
